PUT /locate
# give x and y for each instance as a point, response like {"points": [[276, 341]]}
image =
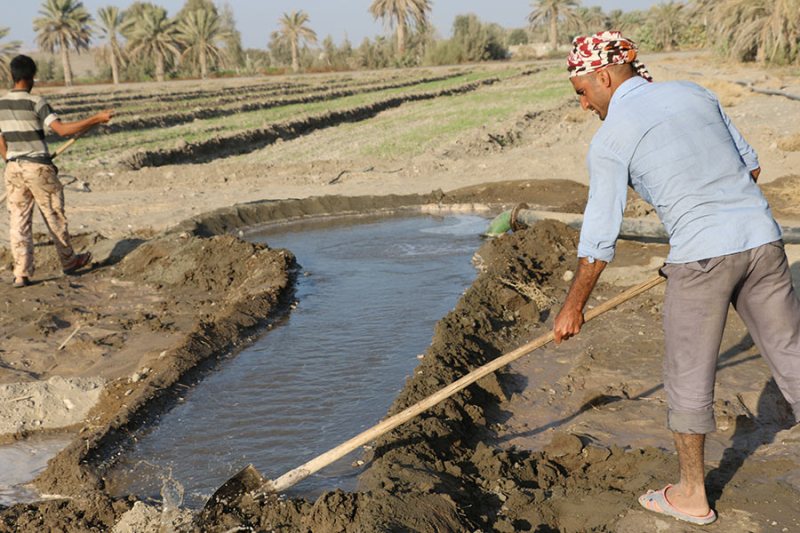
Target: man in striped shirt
{"points": [[30, 176]]}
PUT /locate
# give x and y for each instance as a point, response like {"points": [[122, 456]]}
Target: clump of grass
{"points": [[729, 94], [790, 143]]}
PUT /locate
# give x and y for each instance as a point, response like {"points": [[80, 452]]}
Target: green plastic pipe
{"points": [[500, 224]]}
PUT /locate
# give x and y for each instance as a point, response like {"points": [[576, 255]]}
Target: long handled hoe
{"points": [[249, 480], [60, 150]]}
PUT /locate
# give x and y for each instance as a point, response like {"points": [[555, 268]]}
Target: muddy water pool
{"points": [[21, 461], [368, 296]]}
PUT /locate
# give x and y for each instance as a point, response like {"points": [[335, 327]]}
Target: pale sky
{"points": [[256, 19]]}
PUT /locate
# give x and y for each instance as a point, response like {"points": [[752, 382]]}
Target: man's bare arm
{"points": [[65, 129], [755, 174], [570, 319], [3, 148]]}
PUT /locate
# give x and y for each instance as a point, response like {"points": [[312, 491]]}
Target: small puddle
{"points": [[369, 294], [22, 461]]}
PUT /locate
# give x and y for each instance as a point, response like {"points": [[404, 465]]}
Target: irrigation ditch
{"points": [[440, 461]]}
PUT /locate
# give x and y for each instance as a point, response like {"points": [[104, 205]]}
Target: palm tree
{"points": [[294, 29], [63, 24], [551, 12], [234, 53], [589, 20], [702, 9], [629, 23], [764, 30], [401, 13], [154, 35], [7, 50], [200, 32], [110, 23], [668, 23]]}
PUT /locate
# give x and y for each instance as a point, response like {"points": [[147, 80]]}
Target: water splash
{"points": [[171, 501]]}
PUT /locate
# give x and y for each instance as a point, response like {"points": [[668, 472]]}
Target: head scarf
{"points": [[591, 53]]}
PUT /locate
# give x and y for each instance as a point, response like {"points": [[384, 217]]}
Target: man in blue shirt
{"points": [[675, 146]]}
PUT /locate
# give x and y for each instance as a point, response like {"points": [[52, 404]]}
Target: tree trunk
{"points": [[66, 63], [203, 63], [761, 51], [401, 37], [159, 67], [114, 63], [554, 30], [295, 62]]}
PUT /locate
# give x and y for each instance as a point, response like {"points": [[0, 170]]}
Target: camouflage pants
{"points": [[27, 183]]}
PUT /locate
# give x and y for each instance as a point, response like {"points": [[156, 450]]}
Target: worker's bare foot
{"points": [[692, 502], [21, 281]]}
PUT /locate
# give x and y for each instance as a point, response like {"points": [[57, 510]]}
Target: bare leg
{"points": [[690, 494]]}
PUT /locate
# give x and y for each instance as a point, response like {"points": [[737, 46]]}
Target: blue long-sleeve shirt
{"points": [[672, 142]]}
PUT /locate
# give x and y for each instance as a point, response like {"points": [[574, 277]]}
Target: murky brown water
{"points": [[368, 297]]}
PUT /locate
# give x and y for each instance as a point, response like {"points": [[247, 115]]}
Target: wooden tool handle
{"points": [[294, 476], [61, 149]]}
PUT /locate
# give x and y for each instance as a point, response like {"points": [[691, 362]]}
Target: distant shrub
{"points": [[472, 41], [517, 37]]}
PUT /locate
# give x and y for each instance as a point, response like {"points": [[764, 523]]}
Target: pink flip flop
{"points": [[656, 501]]}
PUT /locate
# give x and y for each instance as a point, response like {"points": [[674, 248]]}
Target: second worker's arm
{"points": [[65, 129]]}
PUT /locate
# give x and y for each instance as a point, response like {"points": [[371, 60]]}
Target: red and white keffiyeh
{"points": [[591, 53]]}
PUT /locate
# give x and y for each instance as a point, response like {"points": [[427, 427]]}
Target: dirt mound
{"points": [[436, 473], [216, 265], [552, 195], [51, 404], [90, 512]]}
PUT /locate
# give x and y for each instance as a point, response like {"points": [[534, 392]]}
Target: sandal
{"points": [[81, 260], [656, 501]]}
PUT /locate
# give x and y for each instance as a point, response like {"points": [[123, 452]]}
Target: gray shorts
{"points": [[759, 285]]}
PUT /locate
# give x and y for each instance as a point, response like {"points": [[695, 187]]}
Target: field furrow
{"points": [[161, 119], [160, 103], [248, 141]]}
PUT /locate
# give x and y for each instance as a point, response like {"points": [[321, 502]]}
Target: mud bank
{"points": [[553, 195], [205, 296]]}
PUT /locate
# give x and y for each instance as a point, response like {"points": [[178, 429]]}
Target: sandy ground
{"points": [[141, 324]]}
